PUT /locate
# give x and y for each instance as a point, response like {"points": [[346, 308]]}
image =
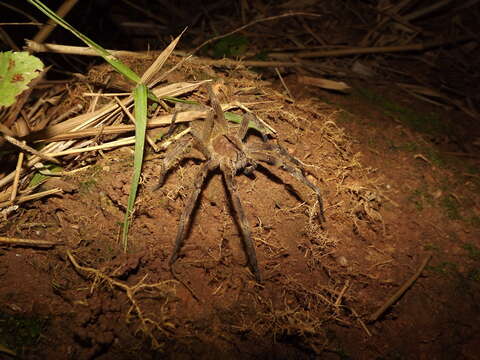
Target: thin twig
{"points": [[80, 50], [46, 29], [426, 10], [19, 11], [29, 149], [284, 85], [391, 300], [35, 47], [20, 23], [26, 242], [105, 94], [381, 49], [340, 296], [16, 179], [360, 321]]}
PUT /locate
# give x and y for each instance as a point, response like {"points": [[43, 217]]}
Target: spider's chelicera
{"points": [[224, 149]]}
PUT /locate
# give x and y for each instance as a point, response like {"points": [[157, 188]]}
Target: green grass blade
{"points": [[140, 95], [117, 64]]}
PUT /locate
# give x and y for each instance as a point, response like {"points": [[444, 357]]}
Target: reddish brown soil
{"points": [[392, 197]]}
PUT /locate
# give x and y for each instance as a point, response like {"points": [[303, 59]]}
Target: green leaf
{"points": [[232, 117], [140, 95], [17, 69], [39, 177]]}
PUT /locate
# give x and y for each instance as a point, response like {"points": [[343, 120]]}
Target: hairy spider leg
{"points": [[275, 159], [242, 130], [229, 176], [185, 218], [220, 120], [173, 157]]}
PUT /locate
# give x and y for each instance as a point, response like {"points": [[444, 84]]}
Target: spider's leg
{"points": [[172, 157], [186, 216], [250, 117], [298, 164], [172, 126], [292, 170], [219, 116], [297, 173], [228, 174], [282, 151], [242, 130], [208, 127]]}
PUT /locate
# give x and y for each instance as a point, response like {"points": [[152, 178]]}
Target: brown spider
{"points": [[224, 149]]}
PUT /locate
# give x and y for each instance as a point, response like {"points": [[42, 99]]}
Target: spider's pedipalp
{"points": [[229, 176], [186, 216]]}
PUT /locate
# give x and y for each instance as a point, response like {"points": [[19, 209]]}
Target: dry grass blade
{"points": [[158, 121], [163, 75], [78, 122], [109, 145], [150, 73], [26, 198], [177, 89], [5, 130], [84, 120]]}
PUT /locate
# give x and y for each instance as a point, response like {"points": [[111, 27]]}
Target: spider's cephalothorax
{"points": [[224, 149]]}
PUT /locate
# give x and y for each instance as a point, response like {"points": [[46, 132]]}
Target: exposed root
{"points": [[147, 324]]}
